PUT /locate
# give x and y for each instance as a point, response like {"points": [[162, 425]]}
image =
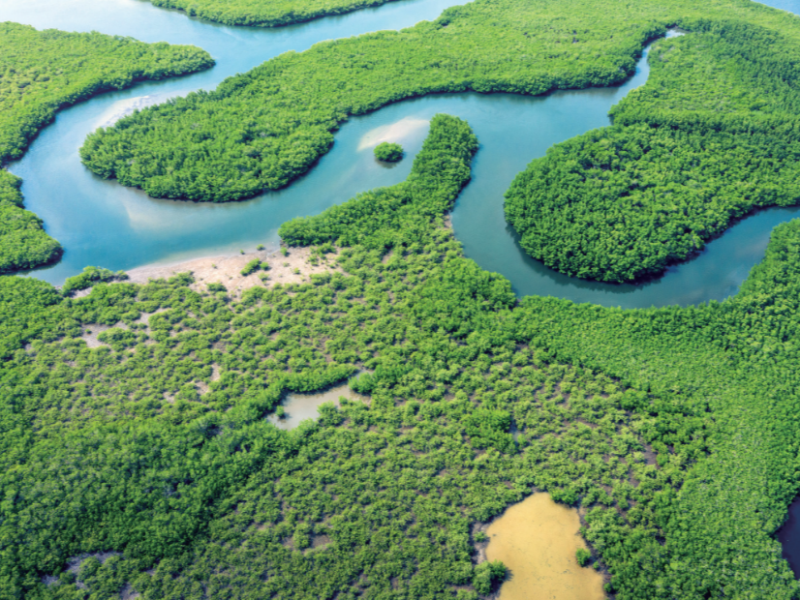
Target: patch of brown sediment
{"points": [[320, 541], [537, 540], [227, 270]]}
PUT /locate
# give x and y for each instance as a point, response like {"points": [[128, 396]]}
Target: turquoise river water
{"points": [[102, 223]]}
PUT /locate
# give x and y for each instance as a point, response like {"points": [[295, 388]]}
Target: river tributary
{"points": [[104, 224]]}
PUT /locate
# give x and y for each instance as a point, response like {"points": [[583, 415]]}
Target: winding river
{"points": [[102, 223]]}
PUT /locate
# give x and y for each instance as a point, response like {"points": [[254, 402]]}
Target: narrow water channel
{"points": [[102, 223]]}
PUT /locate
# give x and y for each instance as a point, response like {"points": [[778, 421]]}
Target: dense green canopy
{"points": [[388, 152], [23, 242], [265, 13]]}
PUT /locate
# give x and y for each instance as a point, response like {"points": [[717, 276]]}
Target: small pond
{"points": [[299, 407], [537, 540]]}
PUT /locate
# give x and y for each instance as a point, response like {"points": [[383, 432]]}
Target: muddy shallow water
{"points": [[537, 540], [300, 407]]}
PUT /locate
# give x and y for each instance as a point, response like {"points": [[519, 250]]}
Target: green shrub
{"points": [[256, 13], [583, 556], [488, 576], [252, 266], [89, 277], [388, 152]]}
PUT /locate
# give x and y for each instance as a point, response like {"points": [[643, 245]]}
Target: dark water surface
{"points": [[789, 537], [102, 223]]}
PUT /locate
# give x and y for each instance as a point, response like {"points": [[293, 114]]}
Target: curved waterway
{"points": [[102, 223]]}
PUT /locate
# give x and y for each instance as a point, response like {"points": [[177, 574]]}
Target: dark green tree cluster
{"points": [[388, 152], [711, 137], [43, 71], [23, 242], [145, 465], [265, 13]]}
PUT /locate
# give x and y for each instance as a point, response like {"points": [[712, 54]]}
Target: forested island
{"points": [[258, 13], [136, 454], [43, 71], [710, 138]]}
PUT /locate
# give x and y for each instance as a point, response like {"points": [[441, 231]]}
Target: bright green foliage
{"points": [[685, 460], [675, 429], [41, 72], [253, 266], [159, 433], [388, 152], [488, 576], [89, 277], [265, 13], [583, 556], [710, 137], [23, 242]]}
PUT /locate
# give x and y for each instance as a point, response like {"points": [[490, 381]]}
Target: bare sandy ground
{"points": [[293, 268]]}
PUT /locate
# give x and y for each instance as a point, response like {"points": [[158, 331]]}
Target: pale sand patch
{"points": [[227, 270], [402, 131], [91, 333], [123, 108], [128, 593]]}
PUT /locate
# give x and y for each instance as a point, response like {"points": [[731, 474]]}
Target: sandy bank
{"points": [[296, 267]]}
